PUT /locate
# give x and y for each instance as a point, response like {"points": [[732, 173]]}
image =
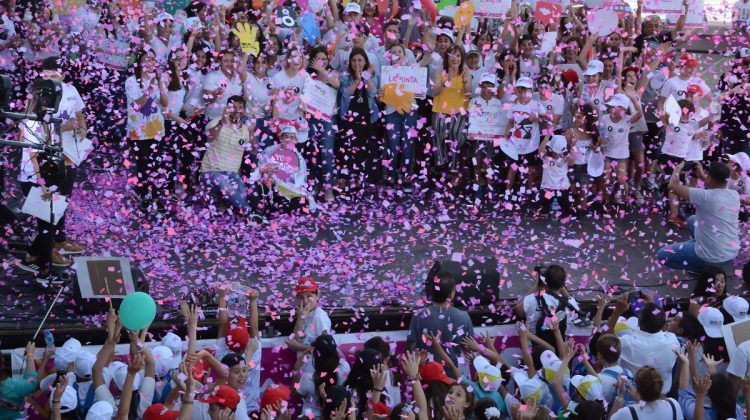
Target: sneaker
{"points": [[30, 266], [67, 247], [50, 279], [676, 221], [257, 218], [58, 260]]}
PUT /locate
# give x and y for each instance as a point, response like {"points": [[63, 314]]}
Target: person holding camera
{"points": [[549, 300]]}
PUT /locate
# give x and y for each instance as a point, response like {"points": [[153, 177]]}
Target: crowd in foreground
{"points": [[643, 363]]}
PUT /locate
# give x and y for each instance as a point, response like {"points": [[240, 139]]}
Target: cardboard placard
{"points": [[286, 163], [735, 334], [485, 124], [319, 99], [414, 78], [695, 17], [548, 11], [310, 27], [491, 8]]}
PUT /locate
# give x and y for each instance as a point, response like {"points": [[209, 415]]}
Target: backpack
{"points": [[88, 401], [562, 318], [671, 404], [628, 399]]}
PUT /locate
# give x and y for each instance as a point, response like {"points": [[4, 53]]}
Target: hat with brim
{"points": [[712, 320]]}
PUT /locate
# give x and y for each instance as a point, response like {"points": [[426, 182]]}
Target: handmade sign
{"points": [[310, 27], [484, 123], [662, 6], [602, 22], [396, 96], [463, 15], [413, 78], [285, 162], [286, 17], [111, 53], [548, 42], [248, 36], [491, 8], [319, 99], [695, 17], [548, 11]]}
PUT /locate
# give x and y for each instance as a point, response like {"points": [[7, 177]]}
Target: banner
{"points": [[662, 6], [319, 99], [413, 79], [113, 54], [491, 8], [548, 11], [485, 124]]}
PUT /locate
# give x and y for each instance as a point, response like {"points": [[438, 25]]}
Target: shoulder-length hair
{"points": [[455, 49], [358, 51]]}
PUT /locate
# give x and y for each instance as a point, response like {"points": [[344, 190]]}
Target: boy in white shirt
{"points": [[488, 109], [312, 321], [523, 130], [555, 183], [615, 128], [608, 349]]}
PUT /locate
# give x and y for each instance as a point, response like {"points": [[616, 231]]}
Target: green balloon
{"points": [[137, 311]]}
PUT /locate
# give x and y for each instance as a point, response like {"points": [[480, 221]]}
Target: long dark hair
{"points": [[326, 361], [591, 121], [722, 401], [137, 68], [381, 346], [358, 51], [176, 79], [311, 57], [707, 279], [455, 49], [435, 392], [360, 379]]}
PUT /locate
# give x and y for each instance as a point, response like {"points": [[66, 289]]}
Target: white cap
{"points": [[352, 7], [64, 356], [73, 344], [46, 383], [164, 16], [162, 359], [594, 67], [626, 326], [68, 401], [619, 99], [100, 410], [174, 343], [595, 164], [589, 386], [550, 364], [558, 144], [120, 371], [446, 32], [711, 319], [741, 159], [487, 78], [737, 307], [489, 377], [85, 364], [528, 387], [525, 82], [287, 129], [471, 49]]}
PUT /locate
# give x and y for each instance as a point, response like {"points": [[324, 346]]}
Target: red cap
{"points": [[381, 409], [630, 68], [159, 411], [695, 89], [306, 284], [570, 76], [688, 60], [236, 334], [413, 45], [273, 395], [224, 395], [434, 371]]}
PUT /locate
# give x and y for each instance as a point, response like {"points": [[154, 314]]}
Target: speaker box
{"points": [[476, 285], [97, 278]]}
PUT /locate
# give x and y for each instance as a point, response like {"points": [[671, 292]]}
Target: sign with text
{"points": [[484, 123], [285, 162], [413, 78], [662, 6], [695, 17], [548, 11], [319, 99], [491, 8]]}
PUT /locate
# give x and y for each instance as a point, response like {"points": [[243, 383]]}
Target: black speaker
{"points": [[476, 285], [97, 278]]}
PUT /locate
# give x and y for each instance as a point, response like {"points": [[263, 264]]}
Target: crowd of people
{"points": [[637, 365]]}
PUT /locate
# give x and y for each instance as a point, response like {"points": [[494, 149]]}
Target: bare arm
{"points": [[677, 186], [434, 340], [411, 367]]}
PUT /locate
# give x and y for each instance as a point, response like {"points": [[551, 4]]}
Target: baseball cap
{"points": [[162, 359], [737, 307], [558, 144], [225, 396], [589, 386], [159, 411], [489, 377], [65, 356], [688, 60], [306, 284], [381, 409], [631, 68], [174, 343], [626, 326], [352, 7], [528, 387], [471, 49], [72, 344], [619, 99], [487, 78], [236, 335], [101, 410], [120, 372], [525, 82], [85, 364], [434, 371], [741, 159], [594, 67], [274, 394], [164, 16], [550, 364], [445, 32], [711, 319]]}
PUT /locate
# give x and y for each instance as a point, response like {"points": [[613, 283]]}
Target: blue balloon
{"points": [[137, 311]]}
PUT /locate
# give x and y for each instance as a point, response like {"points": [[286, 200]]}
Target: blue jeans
{"points": [[322, 134], [400, 142], [682, 256], [231, 187]]}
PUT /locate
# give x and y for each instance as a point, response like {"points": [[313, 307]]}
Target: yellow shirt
{"points": [[452, 100]]}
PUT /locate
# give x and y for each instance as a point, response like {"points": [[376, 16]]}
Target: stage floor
{"points": [[371, 250]]}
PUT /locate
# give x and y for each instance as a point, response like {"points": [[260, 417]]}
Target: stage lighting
{"points": [[46, 97]]}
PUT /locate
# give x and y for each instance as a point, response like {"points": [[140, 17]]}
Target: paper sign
{"points": [[602, 22], [673, 109], [662, 6], [114, 54], [547, 11], [463, 15], [396, 96], [39, 208], [695, 17], [491, 8], [549, 40], [414, 78], [735, 334], [310, 27], [319, 99], [76, 151], [484, 124], [286, 17], [620, 7], [286, 162]]}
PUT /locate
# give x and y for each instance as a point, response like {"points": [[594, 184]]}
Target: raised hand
{"points": [[410, 363], [702, 384], [248, 36], [378, 376]]}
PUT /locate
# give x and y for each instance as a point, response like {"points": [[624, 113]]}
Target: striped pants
{"points": [[450, 136]]}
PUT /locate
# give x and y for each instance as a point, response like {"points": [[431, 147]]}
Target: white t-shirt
{"points": [[194, 95], [258, 95], [144, 122], [555, 105], [739, 361], [250, 390], [315, 325], [31, 132], [641, 348], [657, 410], [583, 150], [555, 173], [695, 149], [741, 184], [289, 99], [70, 104], [162, 50], [308, 391], [677, 87], [176, 97], [678, 137], [532, 314], [525, 134], [231, 87], [717, 223], [609, 382], [493, 108], [617, 146]]}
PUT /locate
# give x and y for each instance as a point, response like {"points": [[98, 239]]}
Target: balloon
{"points": [[137, 311]]}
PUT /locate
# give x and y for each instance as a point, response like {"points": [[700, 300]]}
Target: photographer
{"points": [[547, 300]]}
